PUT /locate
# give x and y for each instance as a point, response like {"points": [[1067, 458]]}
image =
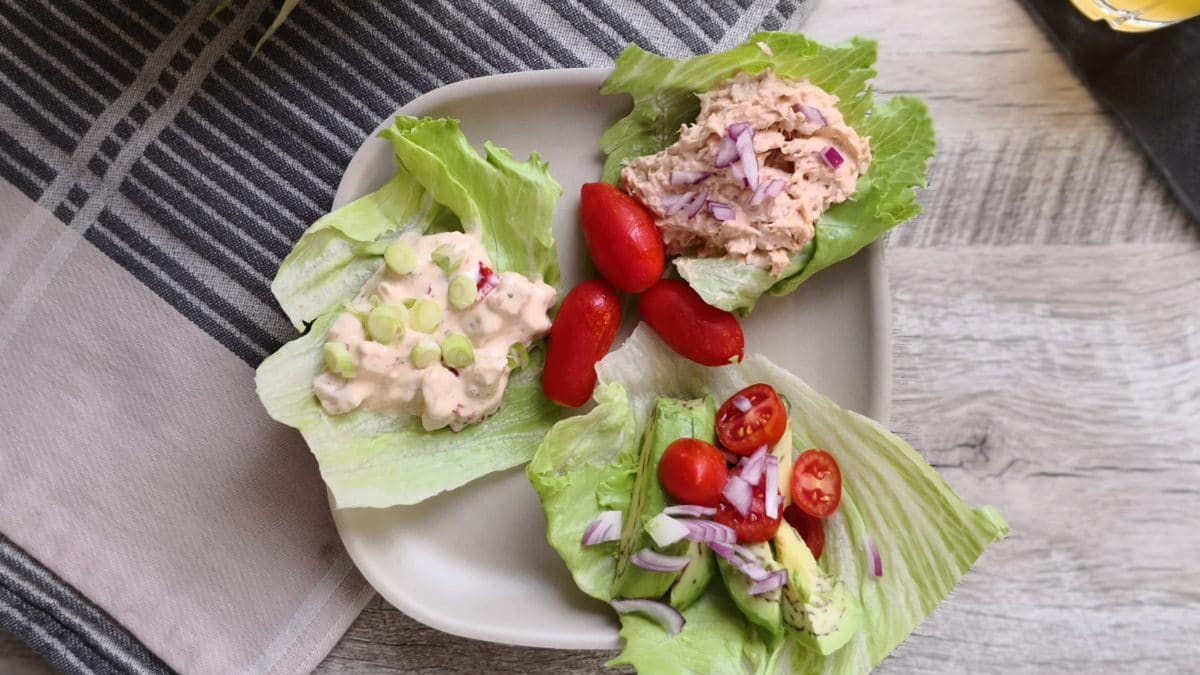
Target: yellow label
{"points": [[1138, 15]]}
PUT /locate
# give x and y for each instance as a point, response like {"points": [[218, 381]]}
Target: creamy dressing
{"points": [[789, 146], [513, 311]]}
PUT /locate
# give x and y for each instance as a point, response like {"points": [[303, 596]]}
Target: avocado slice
{"points": [[671, 420], [761, 610], [824, 610], [694, 578]]}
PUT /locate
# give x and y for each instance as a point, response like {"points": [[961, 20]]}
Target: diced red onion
{"points": [[677, 203], [488, 281], [690, 510], [739, 494], [771, 503], [741, 403], [737, 557], [607, 527], [706, 531], [665, 530], [737, 551], [649, 559], [876, 561], [688, 177], [770, 188], [664, 615], [749, 160], [832, 157], [726, 153], [724, 550], [811, 114], [721, 210], [752, 466], [773, 581], [753, 570], [693, 207], [737, 129]]}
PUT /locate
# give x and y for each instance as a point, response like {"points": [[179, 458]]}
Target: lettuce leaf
{"points": [[588, 465], [372, 459], [926, 535], [901, 132]]}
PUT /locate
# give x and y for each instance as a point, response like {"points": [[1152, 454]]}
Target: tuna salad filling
{"points": [[435, 332], [749, 179]]}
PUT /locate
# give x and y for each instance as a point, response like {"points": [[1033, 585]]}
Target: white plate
{"points": [[475, 562]]}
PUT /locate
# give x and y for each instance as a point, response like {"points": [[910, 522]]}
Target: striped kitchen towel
{"points": [[152, 177]]}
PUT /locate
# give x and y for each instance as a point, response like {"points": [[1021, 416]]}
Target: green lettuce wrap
{"points": [[372, 459], [926, 535], [900, 131]]}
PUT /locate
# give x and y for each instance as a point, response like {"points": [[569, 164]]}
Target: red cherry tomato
{"points": [[699, 331], [754, 526], [622, 238], [817, 483], [810, 529], [751, 418], [693, 472], [583, 330]]}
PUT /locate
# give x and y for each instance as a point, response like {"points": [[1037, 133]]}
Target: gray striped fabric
{"points": [[147, 128]]}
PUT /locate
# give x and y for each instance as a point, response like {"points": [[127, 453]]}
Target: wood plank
{"points": [[1084, 185], [18, 659], [1061, 384]]}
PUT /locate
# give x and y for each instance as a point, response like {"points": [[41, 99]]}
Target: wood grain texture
{"points": [[1062, 384], [18, 659]]}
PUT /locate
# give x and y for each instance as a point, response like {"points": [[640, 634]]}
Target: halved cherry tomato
{"points": [[810, 529], [583, 330], [750, 419], [693, 472], [754, 526], [621, 236], [817, 483], [697, 330]]}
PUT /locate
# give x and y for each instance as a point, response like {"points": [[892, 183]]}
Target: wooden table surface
{"points": [[1046, 315]]}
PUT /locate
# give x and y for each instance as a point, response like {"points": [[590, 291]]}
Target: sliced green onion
{"points": [[409, 302], [446, 258], [425, 316], [457, 351], [426, 353], [518, 356], [462, 291], [338, 359], [385, 323], [375, 300], [400, 258]]}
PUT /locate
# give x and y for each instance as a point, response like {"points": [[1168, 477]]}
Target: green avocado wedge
{"points": [[672, 419], [763, 610], [694, 578], [821, 608]]}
